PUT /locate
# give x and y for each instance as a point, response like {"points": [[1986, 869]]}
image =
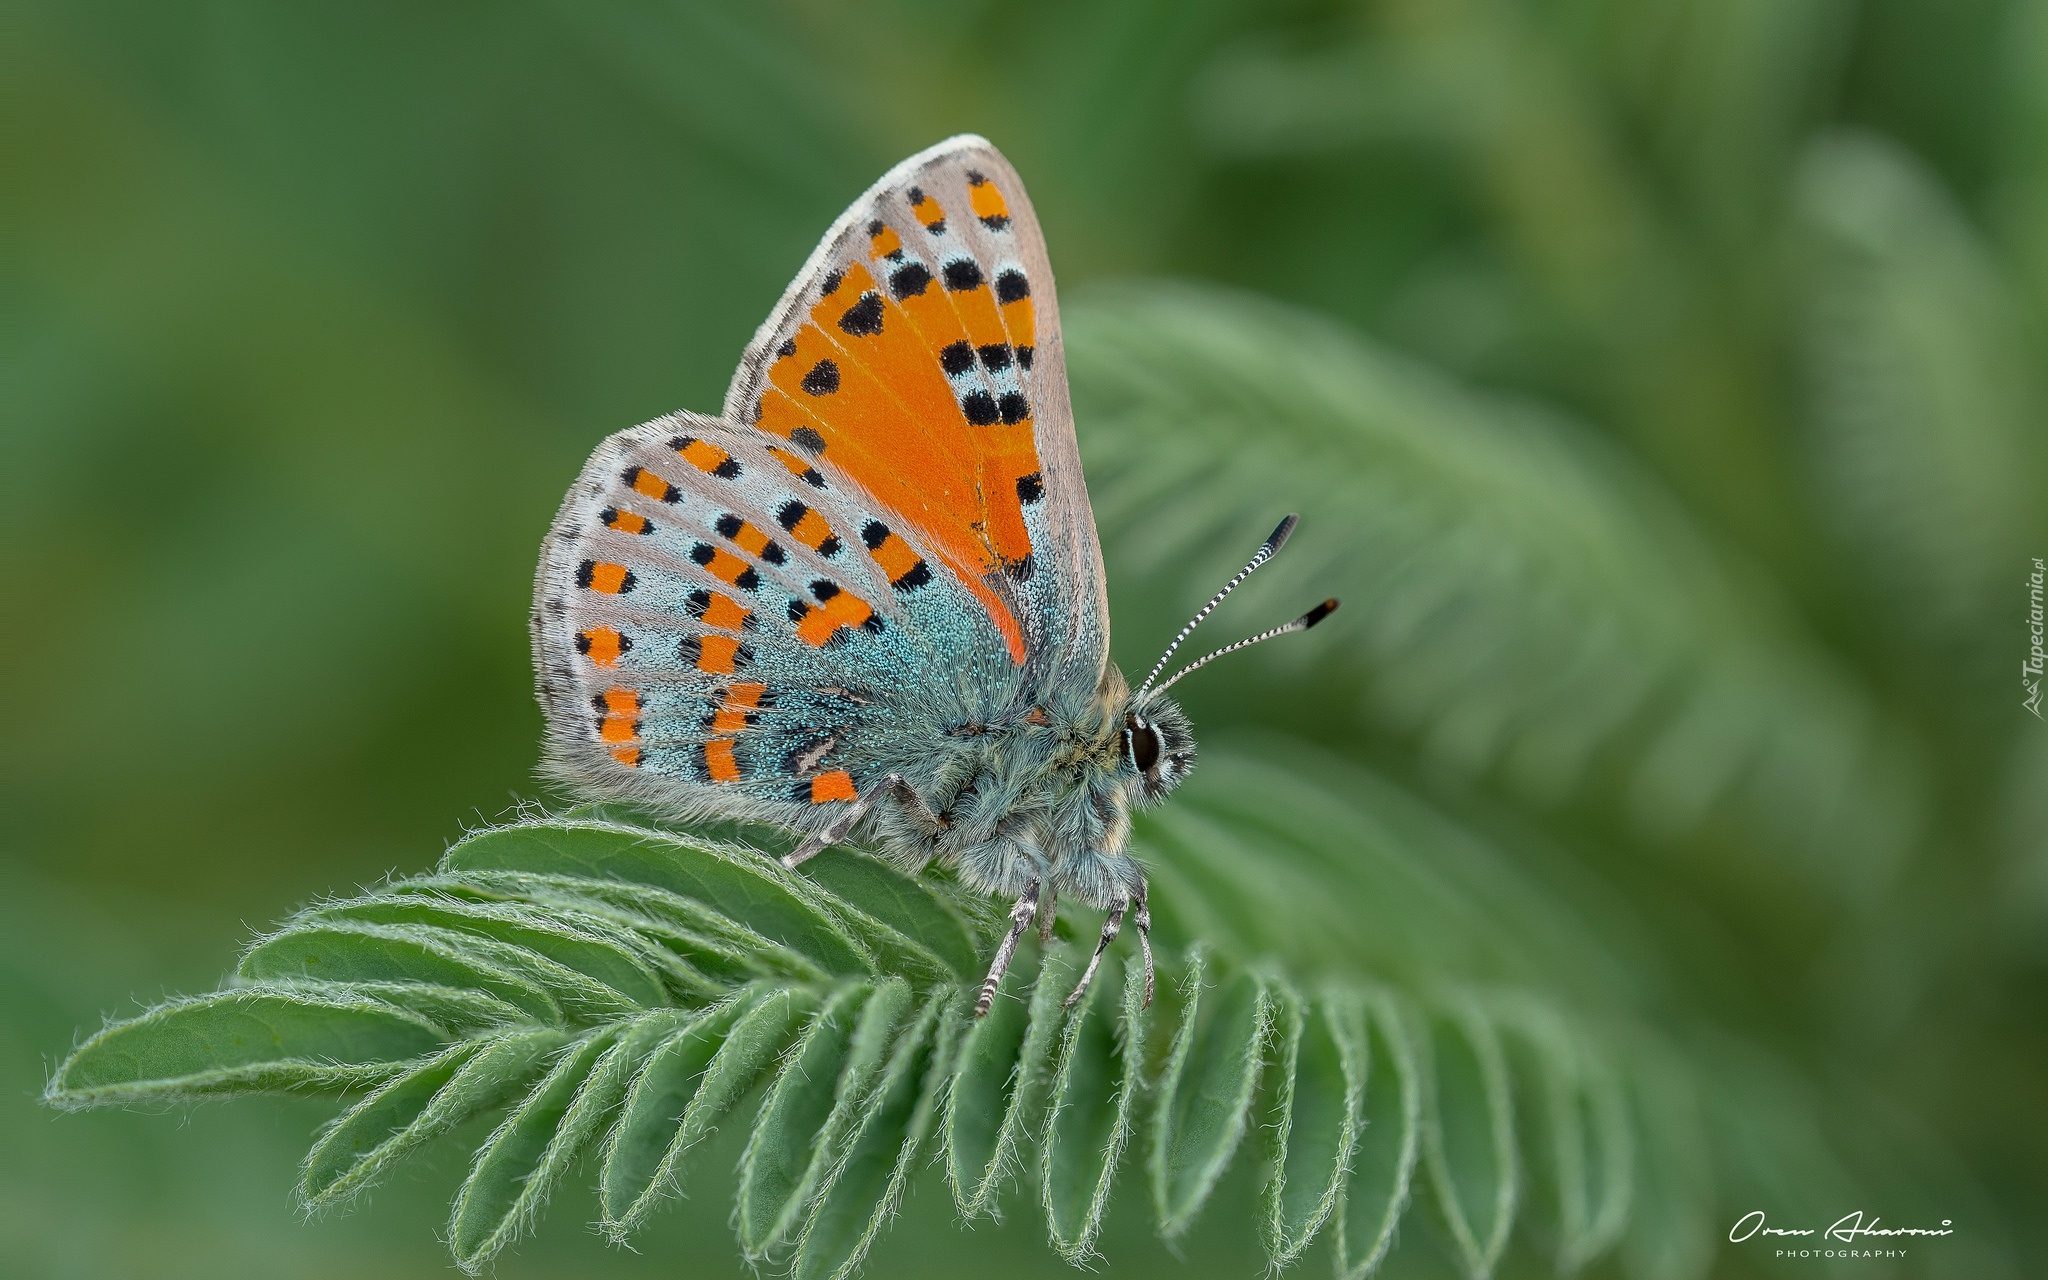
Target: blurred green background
{"points": [[314, 310]]}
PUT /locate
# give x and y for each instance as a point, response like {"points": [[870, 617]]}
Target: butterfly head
{"points": [[1158, 741], [1158, 747]]}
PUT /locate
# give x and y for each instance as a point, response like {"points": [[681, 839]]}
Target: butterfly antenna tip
{"points": [[1303, 623]]}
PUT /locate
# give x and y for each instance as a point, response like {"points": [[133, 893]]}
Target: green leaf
{"points": [[1091, 1109], [1373, 1029], [862, 1189], [242, 1041], [687, 1083], [1319, 1109], [1571, 1127], [722, 948], [349, 953], [526, 987], [366, 1142], [518, 1165], [742, 884], [813, 1103], [462, 1012], [906, 904], [1206, 1090], [1468, 1146], [577, 942], [998, 1081]]}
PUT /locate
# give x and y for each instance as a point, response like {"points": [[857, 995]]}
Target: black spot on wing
{"points": [[957, 358], [909, 280], [810, 442], [963, 274], [981, 409], [1012, 286], [864, 318], [823, 379]]}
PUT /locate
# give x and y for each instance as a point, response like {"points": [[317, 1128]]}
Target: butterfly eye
{"points": [[1142, 742]]}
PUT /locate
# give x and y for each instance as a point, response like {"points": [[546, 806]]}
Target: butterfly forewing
{"points": [[917, 357]]}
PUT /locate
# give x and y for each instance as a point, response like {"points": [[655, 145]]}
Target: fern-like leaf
{"points": [[611, 991]]}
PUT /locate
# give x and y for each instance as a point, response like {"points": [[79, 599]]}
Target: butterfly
{"points": [[869, 594]]}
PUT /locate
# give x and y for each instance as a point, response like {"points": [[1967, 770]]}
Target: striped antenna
{"points": [[1267, 550], [1303, 623]]}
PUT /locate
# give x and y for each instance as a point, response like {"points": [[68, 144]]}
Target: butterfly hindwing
{"points": [[721, 629], [917, 357]]}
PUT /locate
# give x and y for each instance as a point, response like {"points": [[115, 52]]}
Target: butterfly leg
{"points": [[1143, 919], [1020, 920], [833, 834], [1109, 932], [1048, 911]]}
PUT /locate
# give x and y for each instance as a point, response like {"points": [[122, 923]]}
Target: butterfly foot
{"points": [[1109, 932], [1020, 920]]}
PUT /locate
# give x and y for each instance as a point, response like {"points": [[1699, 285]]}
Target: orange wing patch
{"points": [[927, 210], [719, 764], [606, 579], [798, 467], [737, 707], [648, 485], [717, 609], [725, 566], [625, 521], [717, 655], [618, 716], [836, 608], [836, 785], [809, 528], [706, 457], [987, 202], [604, 646], [865, 380]]}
